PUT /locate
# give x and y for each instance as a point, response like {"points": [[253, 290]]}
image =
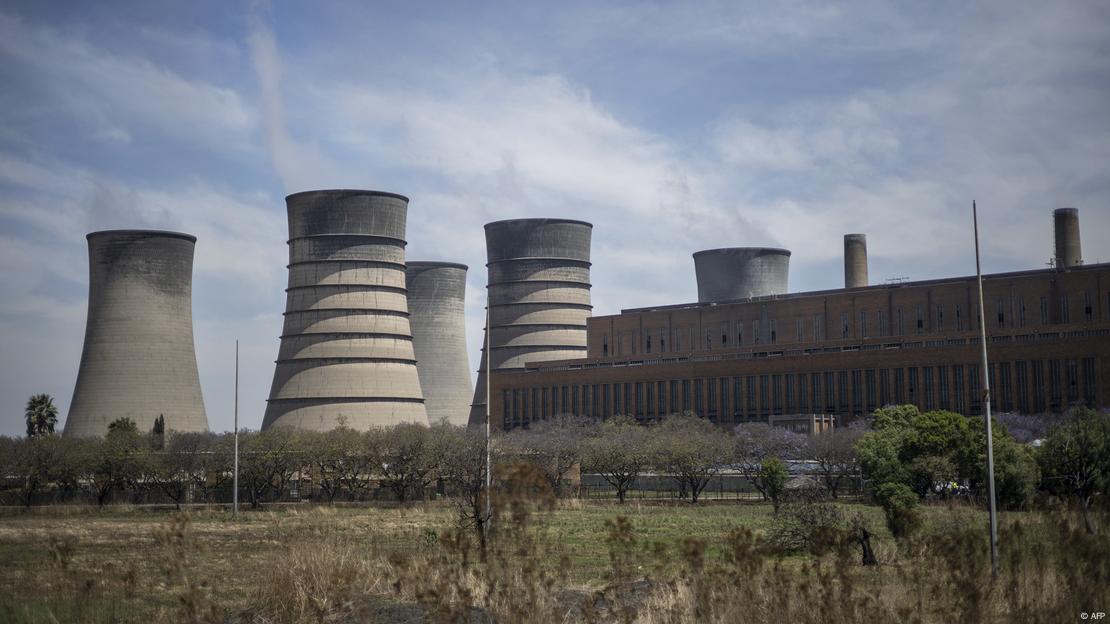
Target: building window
{"points": [[803, 395], [1089, 394], [639, 400], [647, 342], [928, 372], [774, 331], [920, 310], [844, 325], [842, 391], [1065, 314], [869, 381], [899, 386], [958, 387], [863, 324], [799, 330], [942, 388], [605, 345], [1044, 310], [815, 392], [899, 321], [739, 333], [1055, 392], [1038, 387], [686, 395], [708, 339], [1021, 311], [776, 394], [699, 389], [1001, 314], [940, 317], [1088, 313], [975, 389], [660, 390], [959, 317], [857, 392], [764, 401], [884, 387], [1073, 382], [751, 396], [737, 404], [1005, 382], [788, 394], [724, 333], [674, 397], [882, 323], [755, 332], [830, 393]]}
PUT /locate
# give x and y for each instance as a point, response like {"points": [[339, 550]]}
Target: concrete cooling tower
{"points": [[437, 294], [346, 355], [138, 361], [740, 273], [539, 295]]}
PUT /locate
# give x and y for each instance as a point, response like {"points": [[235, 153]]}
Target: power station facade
{"points": [[346, 356], [538, 296], [138, 360], [437, 314], [842, 352]]}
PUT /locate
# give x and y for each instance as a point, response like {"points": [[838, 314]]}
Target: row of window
{"points": [[1032, 386], [1010, 313]]}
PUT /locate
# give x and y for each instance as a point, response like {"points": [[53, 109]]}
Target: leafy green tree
{"points": [[116, 461], [1075, 459], [158, 433], [774, 477], [41, 415]]}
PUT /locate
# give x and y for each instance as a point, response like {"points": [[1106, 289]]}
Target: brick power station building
{"points": [[749, 351]]}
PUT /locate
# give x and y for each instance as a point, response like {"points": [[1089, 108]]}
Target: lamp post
{"points": [[986, 399]]}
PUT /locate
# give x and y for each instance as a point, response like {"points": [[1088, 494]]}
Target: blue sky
{"points": [[673, 127]]}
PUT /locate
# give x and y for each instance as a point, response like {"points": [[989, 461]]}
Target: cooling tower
{"points": [[855, 260], [437, 292], [138, 361], [1065, 222], [346, 355], [539, 295], [740, 273]]}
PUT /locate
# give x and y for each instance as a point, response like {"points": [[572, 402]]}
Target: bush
{"points": [[773, 475], [807, 527], [899, 505]]}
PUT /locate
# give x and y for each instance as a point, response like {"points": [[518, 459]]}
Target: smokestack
{"points": [[437, 292], [1065, 222], [741, 273], [138, 360], [539, 295], [346, 355], [855, 260]]}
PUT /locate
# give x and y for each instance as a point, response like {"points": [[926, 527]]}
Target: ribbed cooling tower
{"points": [[346, 355], [539, 295], [740, 273], [1065, 222], [437, 292], [138, 361], [855, 260]]}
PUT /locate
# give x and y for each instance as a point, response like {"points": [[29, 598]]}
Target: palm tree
{"points": [[41, 415]]}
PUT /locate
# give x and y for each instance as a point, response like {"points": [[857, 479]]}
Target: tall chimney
{"points": [[1065, 225], [855, 260]]}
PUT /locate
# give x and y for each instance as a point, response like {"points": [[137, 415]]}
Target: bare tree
{"points": [[758, 442], [618, 453], [692, 450], [410, 455], [553, 446], [835, 455], [463, 467]]}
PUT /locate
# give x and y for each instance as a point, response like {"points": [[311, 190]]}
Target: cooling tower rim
{"points": [[348, 333], [555, 305], [541, 281], [723, 251], [347, 360], [855, 236], [347, 399], [550, 325], [368, 263], [159, 233], [1066, 211], [349, 311], [537, 221], [436, 264], [391, 239], [347, 193], [397, 290]]}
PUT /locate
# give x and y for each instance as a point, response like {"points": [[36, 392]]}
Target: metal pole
{"points": [[489, 455], [986, 399], [235, 478]]}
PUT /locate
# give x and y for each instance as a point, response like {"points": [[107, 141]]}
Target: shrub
{"points": [[899, 505]]}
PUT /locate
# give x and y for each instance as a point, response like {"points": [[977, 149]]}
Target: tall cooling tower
{"points": [[437, 294], [346, 355], [539, 295], [138, 361], [1065, 225], [740, 273]]}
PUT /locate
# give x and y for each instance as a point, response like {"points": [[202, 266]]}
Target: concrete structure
{"points": [[346, 355], [1065, 222], [740, 273], [840, 352], [138, 360], [855, 261], [437, 294], [539, 295]]}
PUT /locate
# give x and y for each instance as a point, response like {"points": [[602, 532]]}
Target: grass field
{"points": [[137, 564]]}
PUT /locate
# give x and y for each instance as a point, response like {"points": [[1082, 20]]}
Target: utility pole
{"points": [[489, 445], [235, 477], [986, 399]]}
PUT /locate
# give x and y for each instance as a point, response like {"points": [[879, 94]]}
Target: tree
{"points": [[266, 462], [899, 505], [32, 462], [122, 425], [553, 446], [758, 442], [114, 462], [342, 458], [773, 476], [410, 454], [618, 453], [158, 433], [692, 450], [1075, 459], [463, 467], [41, 415], [835, 455]]}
